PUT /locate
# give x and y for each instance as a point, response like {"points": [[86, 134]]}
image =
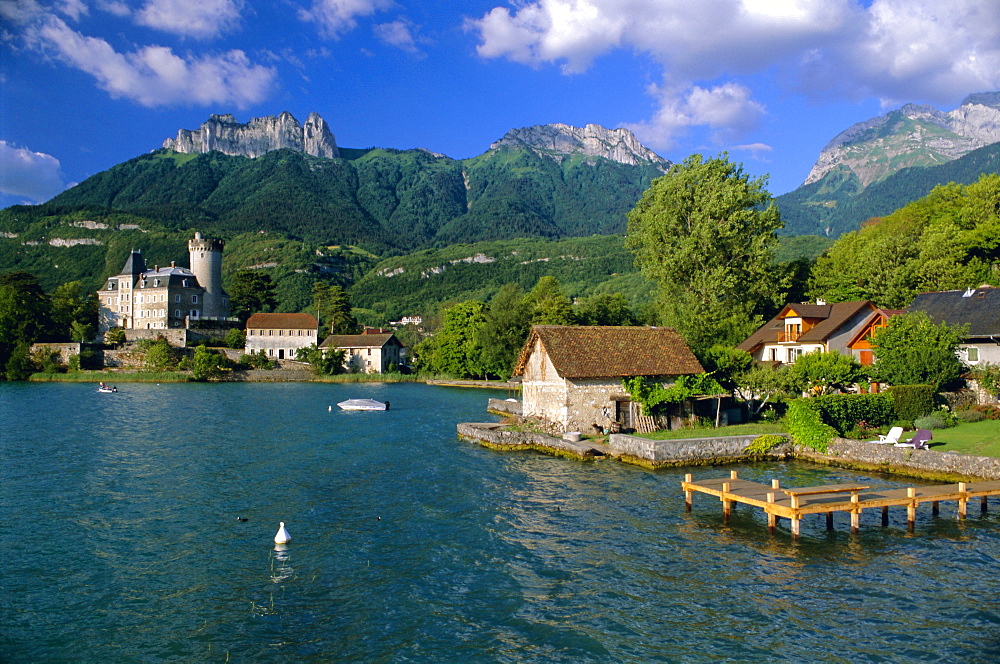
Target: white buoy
{"points": [[282, 537], [329, 409]]}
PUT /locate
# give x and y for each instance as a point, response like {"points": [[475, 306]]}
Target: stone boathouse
{"points": [[572, 375]]}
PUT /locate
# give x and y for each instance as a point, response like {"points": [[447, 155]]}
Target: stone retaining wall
{"points": [[902, 460], [492, 434], [690, 451], [504, 407], [858, 455]]}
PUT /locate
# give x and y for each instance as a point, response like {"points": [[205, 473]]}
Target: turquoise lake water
{"points": [[121, 543]]}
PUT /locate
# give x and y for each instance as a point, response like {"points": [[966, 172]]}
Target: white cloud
{"points": [[34, 176], [201, 19], [335, 17], [155, 75], [20, 11], [910, 50], [73, 8], [728, 110], [114, 7], [399, 34]]}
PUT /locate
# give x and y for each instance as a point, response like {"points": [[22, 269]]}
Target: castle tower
{"points": [[206, 264]]}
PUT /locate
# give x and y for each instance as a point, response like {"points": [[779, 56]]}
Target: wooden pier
{"points": [[794, 503]]}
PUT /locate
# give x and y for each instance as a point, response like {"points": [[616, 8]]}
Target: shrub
{"points": [[989, 412], [968, 416], [912, 401], [932, 421], [806, 426], [844, 412], [763, 444]]}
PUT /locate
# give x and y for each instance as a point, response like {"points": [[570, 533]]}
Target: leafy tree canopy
{"points": [[912, 350], [705, 233]]}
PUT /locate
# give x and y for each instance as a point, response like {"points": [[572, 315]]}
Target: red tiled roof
{"points": [[282, 322], [590, 351], [358, 340]]}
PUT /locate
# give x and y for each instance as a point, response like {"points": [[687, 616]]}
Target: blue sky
{"points": [[87, 84]]}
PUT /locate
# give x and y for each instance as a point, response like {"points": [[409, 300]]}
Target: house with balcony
{"points": [[800, 329]]}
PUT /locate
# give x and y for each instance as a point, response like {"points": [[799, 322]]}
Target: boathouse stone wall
{"points": [[690, 450]]}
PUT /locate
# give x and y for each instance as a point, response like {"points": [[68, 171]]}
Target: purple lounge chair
{"points": [[919, 440]]}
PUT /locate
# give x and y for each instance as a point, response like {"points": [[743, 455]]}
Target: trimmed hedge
{"points": [[912, 401], [844, 412], [806, 426]]}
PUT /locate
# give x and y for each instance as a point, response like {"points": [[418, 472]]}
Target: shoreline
{"points": [[723, 450]]}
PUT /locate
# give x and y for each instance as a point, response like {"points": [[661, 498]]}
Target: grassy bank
{"points": [[113, 377]]}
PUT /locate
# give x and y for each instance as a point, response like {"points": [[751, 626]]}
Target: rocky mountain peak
{"points": [[259, 136], [913, 135], [559, 141]]}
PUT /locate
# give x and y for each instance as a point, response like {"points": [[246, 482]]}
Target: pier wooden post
{"points": [[726, 503], [688, 495], [985, 507], [935, 508], [733, 504], [772, 519], [829, 520], [796, 522], [963, 500], [911, 509], [855, 513], [885, 516]]}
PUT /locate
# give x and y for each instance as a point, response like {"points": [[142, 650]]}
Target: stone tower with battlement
{"points": [[206, 264]]}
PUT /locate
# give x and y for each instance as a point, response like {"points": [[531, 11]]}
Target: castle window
{"points": [[177, 298], [177, 313], [194, 299], [156, 282]]}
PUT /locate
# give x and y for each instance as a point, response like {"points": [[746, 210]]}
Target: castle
{"points": [[166, 297]]}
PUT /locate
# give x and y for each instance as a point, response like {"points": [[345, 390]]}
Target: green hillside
{"points": [[384, 200], [836, 204]]}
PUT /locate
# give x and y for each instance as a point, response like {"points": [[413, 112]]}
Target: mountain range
{"points": [[875, 166]]}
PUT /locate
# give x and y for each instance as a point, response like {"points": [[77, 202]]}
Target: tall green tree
{"points": [[456, 349], [251, 292], [74, 312], [548, 304], [705, 233], [503, 332], [913, 350], [334, 307], [25, 317], [604, 309]]}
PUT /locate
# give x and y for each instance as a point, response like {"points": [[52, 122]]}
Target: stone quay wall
{"points": [[494, 435], [928, 464], [504, 407], [690, 451]]}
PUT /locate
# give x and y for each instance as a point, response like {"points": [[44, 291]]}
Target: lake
{"points": [[121, 543]]}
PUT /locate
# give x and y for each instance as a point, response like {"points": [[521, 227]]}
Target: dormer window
{"points": [[184, 283], [156, 282]]}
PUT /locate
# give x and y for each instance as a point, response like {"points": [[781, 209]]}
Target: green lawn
{"points": [[978, 438]]}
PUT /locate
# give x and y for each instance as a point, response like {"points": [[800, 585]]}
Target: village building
{"points": [[369, 352], [280, 336], [979, 308], [800, 329], [572, 375], [165, 298]]}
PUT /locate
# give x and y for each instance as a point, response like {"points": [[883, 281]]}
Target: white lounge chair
{"points": [[890, 438], [919, 440]]}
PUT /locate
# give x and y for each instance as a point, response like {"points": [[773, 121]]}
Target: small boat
{"points": [[363, 404], [107, 389]]}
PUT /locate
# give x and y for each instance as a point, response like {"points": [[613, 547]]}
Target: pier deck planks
{"points": [[794, 503]]}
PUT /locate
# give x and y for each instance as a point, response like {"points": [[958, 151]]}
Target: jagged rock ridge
{"points": [[560, 140], [259, 136], [914, 135]]}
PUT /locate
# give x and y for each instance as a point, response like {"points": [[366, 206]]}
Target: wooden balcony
{"points": [[786, 336]]}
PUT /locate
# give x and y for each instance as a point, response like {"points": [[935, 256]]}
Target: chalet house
{"points": [[799, 329], [370, 352], [979, 308], [572, 375], [280, 336]]}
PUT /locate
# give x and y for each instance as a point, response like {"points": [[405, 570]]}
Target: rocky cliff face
{"points": [[260, 135], [560, 140], [913, 135]]}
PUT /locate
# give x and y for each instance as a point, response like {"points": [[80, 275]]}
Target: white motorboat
{"points": [[363, 404], [107, 389]]}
